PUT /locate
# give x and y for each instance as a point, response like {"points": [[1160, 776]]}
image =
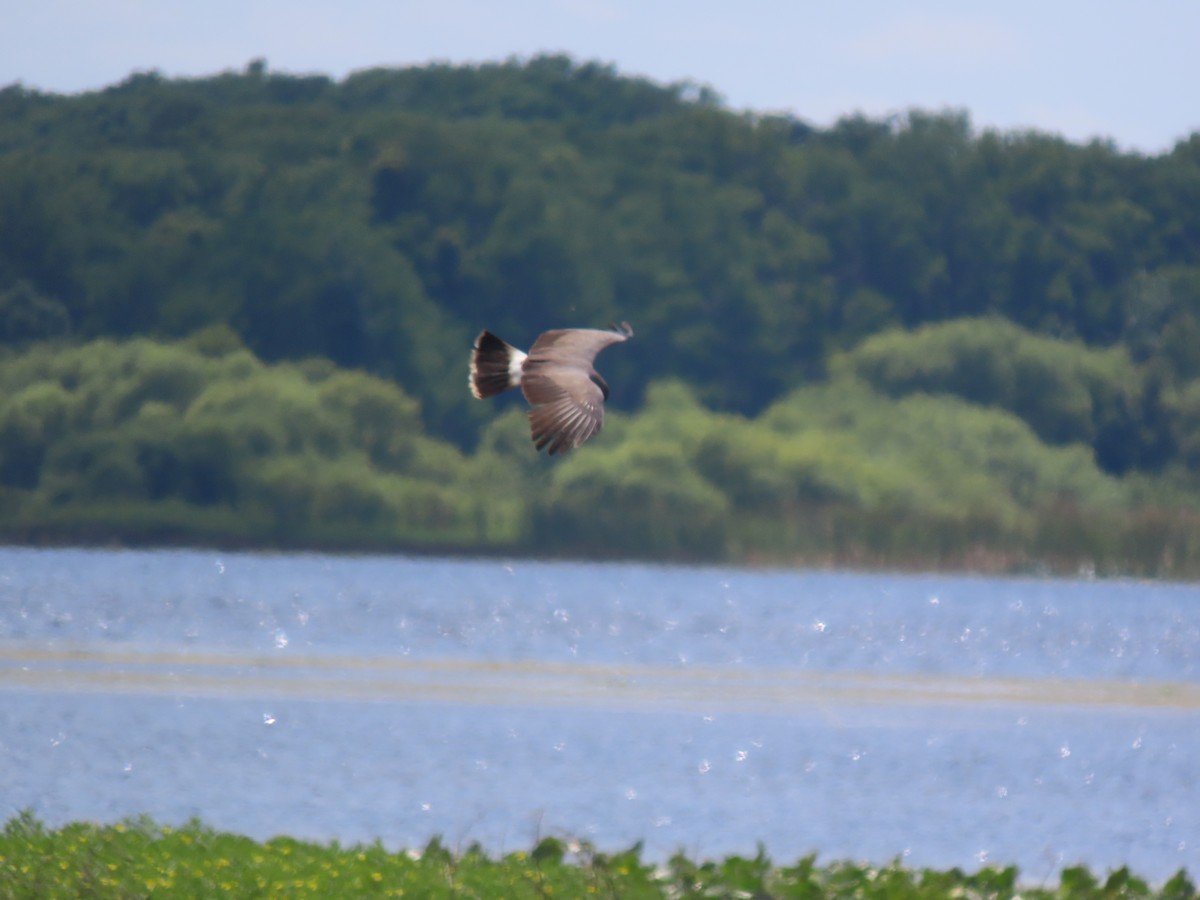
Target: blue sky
{"points": [[1124, 71]]}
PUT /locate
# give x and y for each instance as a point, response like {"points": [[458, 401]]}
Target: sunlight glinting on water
{"points": [[950, 719]]}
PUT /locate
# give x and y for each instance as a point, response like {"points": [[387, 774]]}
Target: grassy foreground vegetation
{"points": [[142, 859]]}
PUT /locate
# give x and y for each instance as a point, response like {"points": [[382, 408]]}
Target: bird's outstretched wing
{"points": [[566, 392], [568, 406], [573, 346]]}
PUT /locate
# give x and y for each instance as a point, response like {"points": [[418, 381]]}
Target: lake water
{"points": [[951, 721]]}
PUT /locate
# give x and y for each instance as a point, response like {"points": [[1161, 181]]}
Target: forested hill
{"points": [[380, 221]]}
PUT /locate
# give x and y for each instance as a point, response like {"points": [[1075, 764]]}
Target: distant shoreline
{"points": [[972, 561]]}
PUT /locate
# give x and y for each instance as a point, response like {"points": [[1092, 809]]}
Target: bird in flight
{"points": [[557, 378]]}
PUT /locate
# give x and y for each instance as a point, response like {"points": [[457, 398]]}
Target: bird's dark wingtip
{"points": [[623, 329]]}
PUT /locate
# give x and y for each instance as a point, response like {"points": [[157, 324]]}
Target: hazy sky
{"points": [[1126, 70]]}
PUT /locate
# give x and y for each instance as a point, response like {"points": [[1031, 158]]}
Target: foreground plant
{"points": [[140, 858]]}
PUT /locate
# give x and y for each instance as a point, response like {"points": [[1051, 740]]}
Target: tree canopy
{"points": [[326, 250]]}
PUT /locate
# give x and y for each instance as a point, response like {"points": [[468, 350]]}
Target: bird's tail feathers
{"points": [[495, 366]]}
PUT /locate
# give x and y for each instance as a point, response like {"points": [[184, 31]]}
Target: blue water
{"points": [[952, 721]]}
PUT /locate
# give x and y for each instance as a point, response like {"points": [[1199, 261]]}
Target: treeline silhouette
{"points": [[238, 308]]}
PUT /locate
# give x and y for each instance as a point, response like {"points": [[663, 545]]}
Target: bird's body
{"points": [[556, 376]]}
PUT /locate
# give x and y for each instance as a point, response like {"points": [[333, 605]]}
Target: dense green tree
{"points": [[305, 238], [380, 221], [1064, 390], [300, 452]]}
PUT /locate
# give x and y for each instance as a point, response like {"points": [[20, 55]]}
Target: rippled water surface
{"points": [[952, 720]]}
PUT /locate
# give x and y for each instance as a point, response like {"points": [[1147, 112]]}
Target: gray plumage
{"points": [[557, 377]]}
